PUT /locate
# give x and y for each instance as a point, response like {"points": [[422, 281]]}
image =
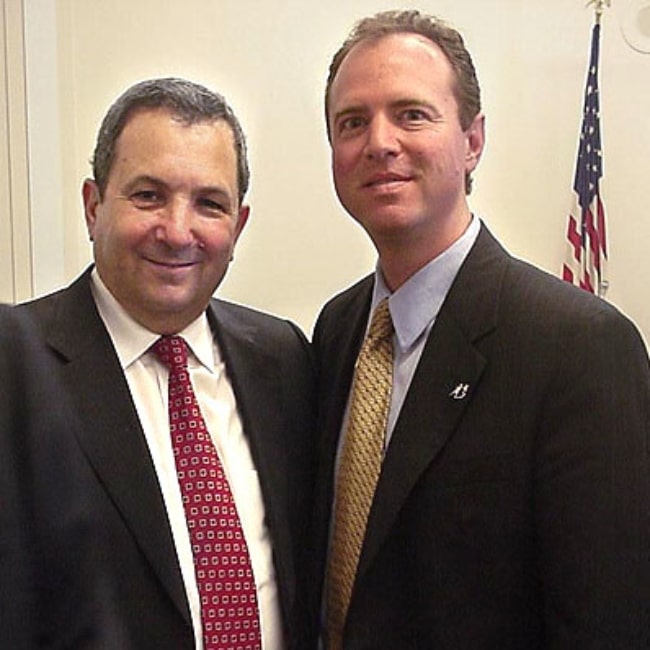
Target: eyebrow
{"points": [[413, 101], [351, 110], [144, 178], [398, 103], [154, 180]]}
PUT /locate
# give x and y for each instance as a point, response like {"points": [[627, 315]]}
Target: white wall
{"points": [[270, 58]]}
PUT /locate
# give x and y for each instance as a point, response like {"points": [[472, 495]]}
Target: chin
{"points": [[171, 301], [386, 218]]}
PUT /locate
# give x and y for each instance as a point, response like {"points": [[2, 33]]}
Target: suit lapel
{"points": [[447, 375], [255, 377], [440, 392], [345, 338], [337, 346], [111, 435]]}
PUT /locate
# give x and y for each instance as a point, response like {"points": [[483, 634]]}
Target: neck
{"points": [[402, 257], [166, 324]]}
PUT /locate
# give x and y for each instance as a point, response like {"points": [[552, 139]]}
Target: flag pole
{"points": [[599, 9]]}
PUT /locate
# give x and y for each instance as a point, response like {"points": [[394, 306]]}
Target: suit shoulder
{"points": [[16, 328], [23, 353], [343, 302], [491, 277], [553, 306], [75, 299], [235, 311], [530, 286], [40, 309], [233, 316]]}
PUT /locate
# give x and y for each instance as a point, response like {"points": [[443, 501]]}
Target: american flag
{"points": [[586, 255]]}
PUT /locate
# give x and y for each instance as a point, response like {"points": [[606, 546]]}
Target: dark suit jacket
{"points": [[87, 484], [516, 516]]}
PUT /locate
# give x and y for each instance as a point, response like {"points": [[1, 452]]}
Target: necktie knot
{"points": [[172, 351], [381, 325]]}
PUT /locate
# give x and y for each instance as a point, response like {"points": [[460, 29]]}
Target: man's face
{"points": [[166, 228], [399, 153]]}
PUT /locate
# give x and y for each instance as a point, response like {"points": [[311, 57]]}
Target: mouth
{"points": [[386, 180], [171, 265]]}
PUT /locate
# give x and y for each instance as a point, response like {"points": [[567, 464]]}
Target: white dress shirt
{"points": [[147, 378]]}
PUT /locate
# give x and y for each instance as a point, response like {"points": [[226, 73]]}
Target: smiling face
{"points": [[399, 153], [165, 231]]}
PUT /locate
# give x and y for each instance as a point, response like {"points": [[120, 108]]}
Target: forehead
{"points": [[156, 138], [146, 126], [397, 61]]}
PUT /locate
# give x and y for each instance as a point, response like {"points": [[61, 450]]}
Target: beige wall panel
{"points": [[6, 246], [15, 231], [270, 58]]}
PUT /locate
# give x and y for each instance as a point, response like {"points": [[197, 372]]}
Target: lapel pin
{"points": [[460, 392]]}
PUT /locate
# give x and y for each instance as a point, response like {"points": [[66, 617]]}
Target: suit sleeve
{"points": [[592, 491]]}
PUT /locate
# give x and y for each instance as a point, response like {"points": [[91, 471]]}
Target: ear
{"points": [[244, 212], [91, 200], [475, 139]]}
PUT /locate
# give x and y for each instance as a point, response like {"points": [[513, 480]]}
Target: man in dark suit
{"points": [[510, 505], [99, 482]]}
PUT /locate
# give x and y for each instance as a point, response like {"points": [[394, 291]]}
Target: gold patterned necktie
{"points": [[359, 466]]}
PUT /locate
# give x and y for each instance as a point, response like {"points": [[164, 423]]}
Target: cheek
{"points": [[440, 161], [121, 238], [217, 239], [344, 178], [104, 236], [344, 160]]}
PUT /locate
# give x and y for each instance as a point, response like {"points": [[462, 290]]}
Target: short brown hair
{"points": [[466, 88]]}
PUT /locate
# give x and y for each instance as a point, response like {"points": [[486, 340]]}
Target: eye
{"points": [[213, 206], [351, 124], [146, 198], [414, 115]]}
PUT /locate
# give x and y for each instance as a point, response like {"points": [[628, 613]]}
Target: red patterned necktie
{"points": [[224, 575]]}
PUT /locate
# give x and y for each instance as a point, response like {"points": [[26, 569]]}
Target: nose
{"points": [[382, 139], [176, 225]]}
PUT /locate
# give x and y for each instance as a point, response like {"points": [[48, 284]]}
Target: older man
{"points": [[191, 436]]}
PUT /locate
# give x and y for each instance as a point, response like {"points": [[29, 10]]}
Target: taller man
{"points": [[485, 480]]}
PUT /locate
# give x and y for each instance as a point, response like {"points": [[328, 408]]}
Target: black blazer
{"points": [[99, 498], [514, 516]]}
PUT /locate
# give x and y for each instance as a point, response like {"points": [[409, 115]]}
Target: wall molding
{"points": [[16, 269]]}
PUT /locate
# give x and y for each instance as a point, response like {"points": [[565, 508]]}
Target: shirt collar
{"points": [[415, 305], [131, 340]]}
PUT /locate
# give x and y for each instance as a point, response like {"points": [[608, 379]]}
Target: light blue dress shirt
{"points": [[414, 308]]}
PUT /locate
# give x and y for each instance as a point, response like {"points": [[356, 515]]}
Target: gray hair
{"points": [[187, 101]]}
